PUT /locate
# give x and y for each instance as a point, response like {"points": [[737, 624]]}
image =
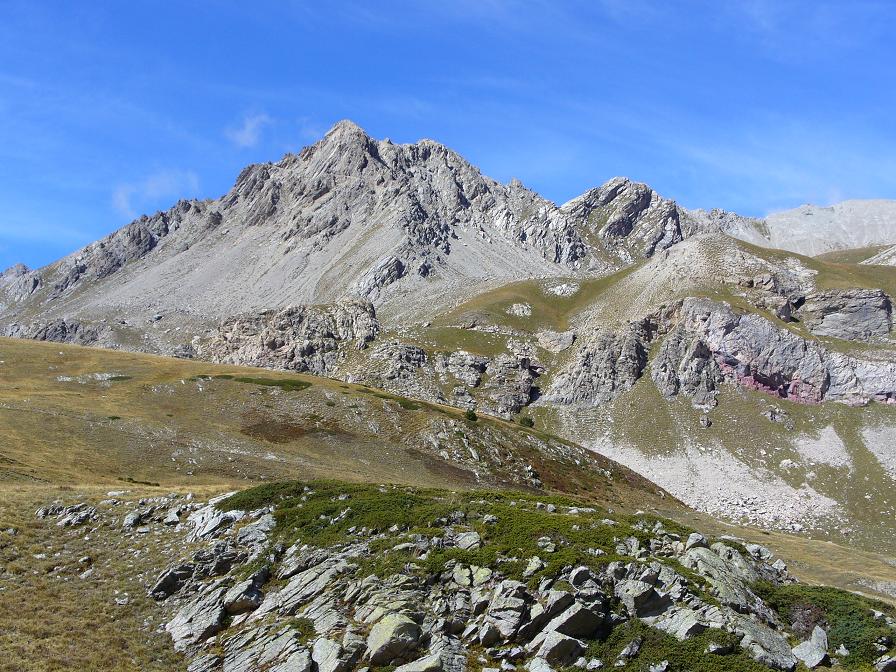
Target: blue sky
{"points": [[112, 109]]}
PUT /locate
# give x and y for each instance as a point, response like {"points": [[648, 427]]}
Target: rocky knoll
{"points": [[333, 577], [297, 338], [501, 385]]}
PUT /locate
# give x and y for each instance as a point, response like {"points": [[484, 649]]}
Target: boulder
{"points": [[171, 580], [885, 664], [326, 655], [680, 622], [765, 645], [392, 637], [430, 663], [814, 651], [555, 341], [641, 599], [199, 619], [577, 621], [559, 649], [246, 595], [468, 541]]}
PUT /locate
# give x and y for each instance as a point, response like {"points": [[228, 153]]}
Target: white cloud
{"points": [[249, 132], [169, 185]]}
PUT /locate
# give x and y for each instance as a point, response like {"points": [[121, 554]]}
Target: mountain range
{"points": [[744, 364]]}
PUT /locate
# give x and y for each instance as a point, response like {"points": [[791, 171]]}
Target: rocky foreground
{"points": [[332, 577]]}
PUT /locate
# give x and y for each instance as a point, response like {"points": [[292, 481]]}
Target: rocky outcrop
{"points": [[710, 342], [685, 365], [555, 341], [298, 338], [508, 385], [852, 314], [421, 622], [609, 364], [17, 283], [706, 343], [130, 243], [59, 331], [500, 385]]}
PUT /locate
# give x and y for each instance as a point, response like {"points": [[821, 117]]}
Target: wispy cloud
{"points": [[129, 198], [248, 133]]}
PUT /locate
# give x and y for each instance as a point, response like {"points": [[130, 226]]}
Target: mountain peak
{"points": [[346, 128]]}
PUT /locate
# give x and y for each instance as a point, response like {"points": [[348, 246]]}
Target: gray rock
{"points": [[631, 650], [298, 661], [430, 663], [695, 540], [606, 365], [814, 652], [246, 595], [555, 341], [327, 655], [764, 644], [885, 664], [299, 338], [171, 580], [393, 636], [172, 517], [468, 541], [680, 622], [851, 314], [641, 599], [508, 607], [577, 621], [729, 580], [199, 619], [559, 649]]}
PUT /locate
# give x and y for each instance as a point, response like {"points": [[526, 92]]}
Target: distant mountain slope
{"points": [[814, 230], [886, 257]]}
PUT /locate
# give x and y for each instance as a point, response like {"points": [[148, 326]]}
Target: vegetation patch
{"points": [[304, 627], [133, 481], [513, 526], [657, 646], [850, 619], [285, 384]]}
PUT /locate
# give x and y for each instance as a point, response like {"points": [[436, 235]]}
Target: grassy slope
{"points": [[853, 256], [217, 434], [182, 423], [164, 425]]}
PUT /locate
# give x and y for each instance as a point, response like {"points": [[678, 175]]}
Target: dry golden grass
{"points": [[53, 620]]}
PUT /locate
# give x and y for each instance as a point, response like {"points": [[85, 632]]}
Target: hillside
{"points": [[118, 454]]}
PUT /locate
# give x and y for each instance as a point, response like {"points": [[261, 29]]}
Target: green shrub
{"points": [[688, 655], [849, 617], [527, 422], [304, 627], [470, 415]]}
